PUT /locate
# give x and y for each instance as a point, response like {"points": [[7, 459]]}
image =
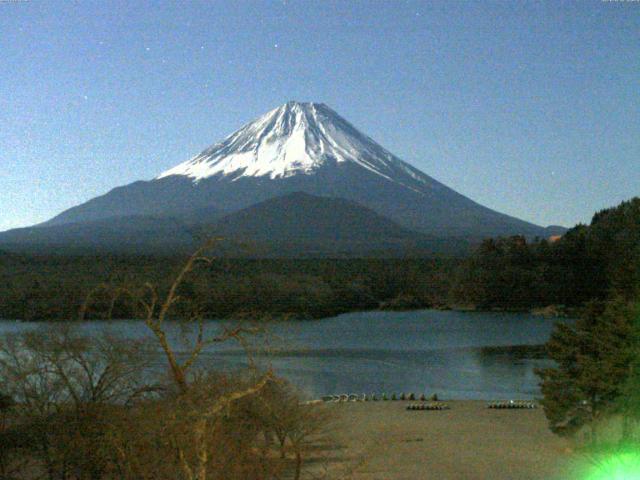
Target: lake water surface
{"points": [[428, 351]]}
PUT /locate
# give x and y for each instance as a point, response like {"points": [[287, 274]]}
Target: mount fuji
{"points": [[299, 147]]}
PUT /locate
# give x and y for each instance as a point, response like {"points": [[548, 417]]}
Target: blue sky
{"points": [[530, 108]]}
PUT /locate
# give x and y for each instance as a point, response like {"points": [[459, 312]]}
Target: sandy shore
{"points": [[384, 441]]}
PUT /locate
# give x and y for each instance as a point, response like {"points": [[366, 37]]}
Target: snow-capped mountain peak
{"points": [[295, 138], [300, 148]]}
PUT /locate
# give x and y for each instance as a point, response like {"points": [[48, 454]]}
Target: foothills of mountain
{"points": [[598, 261], [298, 147], [292, 225]]}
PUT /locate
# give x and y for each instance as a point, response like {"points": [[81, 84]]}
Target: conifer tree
{"points": [[629, 402], [594, 359]]}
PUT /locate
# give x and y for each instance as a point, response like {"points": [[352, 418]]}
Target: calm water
{"points": [[421, 351]]}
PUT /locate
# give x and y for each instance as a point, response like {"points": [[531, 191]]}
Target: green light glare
{"points": [[619, 466]]}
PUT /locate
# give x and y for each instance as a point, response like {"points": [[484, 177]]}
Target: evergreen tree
{"points": [[594, 359], [629, 402]]}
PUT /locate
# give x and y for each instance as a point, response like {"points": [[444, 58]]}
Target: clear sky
{"points": [[530, 108]]}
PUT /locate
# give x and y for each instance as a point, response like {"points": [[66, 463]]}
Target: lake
{"points": [[424, 351]]}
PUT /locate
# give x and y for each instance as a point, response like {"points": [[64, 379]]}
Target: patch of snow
{"points": [[296, 138]]}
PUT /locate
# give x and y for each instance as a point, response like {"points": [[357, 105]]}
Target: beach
{"points": [[384, 441]]}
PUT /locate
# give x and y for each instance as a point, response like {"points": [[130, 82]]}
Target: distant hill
{"points": [[303, 217], [299, 224]]}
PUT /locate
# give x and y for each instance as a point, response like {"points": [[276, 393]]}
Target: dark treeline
{"points": [[55, 287], [591, 262]]}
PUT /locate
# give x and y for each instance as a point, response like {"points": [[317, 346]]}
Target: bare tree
{"points": [[198, 409], [66, 385], [156, 312]]}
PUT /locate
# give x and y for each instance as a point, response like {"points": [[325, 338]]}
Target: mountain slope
{"points": [[304, 147], [141, 234]]}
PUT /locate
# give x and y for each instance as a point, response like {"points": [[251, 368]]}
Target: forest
{"points": [[589, 262], [55, 287]]}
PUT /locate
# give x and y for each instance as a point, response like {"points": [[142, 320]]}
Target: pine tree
{"points": [[629, 402], [594, 359]]}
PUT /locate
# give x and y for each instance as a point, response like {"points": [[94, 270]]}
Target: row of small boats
{"points": [[428, 406], [497, 405], [374, 397], [512, 404], [430, 403]]}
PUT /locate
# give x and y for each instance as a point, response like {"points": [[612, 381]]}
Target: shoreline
{"points": [[550, 311]]}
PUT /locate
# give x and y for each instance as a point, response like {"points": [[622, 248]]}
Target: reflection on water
{"points": [[373, 352]]}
